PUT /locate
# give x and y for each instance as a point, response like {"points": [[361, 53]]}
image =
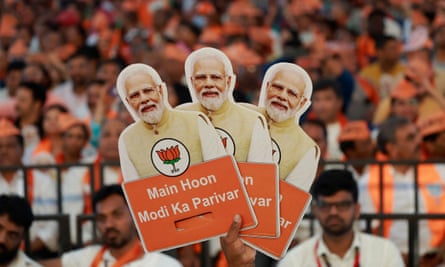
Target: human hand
{"points": [[237, 253]]}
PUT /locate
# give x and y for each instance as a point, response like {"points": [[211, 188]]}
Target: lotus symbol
{"points": [[170, 155]]}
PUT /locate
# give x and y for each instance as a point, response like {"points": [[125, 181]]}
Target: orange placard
{"points": [[293, 204], [198, 205], [262, 184]]}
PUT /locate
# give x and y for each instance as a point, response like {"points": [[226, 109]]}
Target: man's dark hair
{"points": [[325, 84], [16, 65], [381, 41], [346, 145], [107, 191], [332, 181], [18, 210], [317, 123], [37, 90], [387, 132]]}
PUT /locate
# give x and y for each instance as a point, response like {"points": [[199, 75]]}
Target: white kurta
{"points": [[373, 250], [85, 256], [23, 261]]}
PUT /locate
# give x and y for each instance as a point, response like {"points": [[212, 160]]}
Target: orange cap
{"points": [[8, 24], [205, 8], [66, 121], [403, 90], [354, 130], [18, 49], [173, 52], [432, 124], [7, 128]]}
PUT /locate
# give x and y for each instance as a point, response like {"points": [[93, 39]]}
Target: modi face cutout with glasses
{"points": [[211, 82], [159, 133]]}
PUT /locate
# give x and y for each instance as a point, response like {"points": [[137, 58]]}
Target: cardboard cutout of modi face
{"points": [[180, 184], [159, 132], [211, 82], [285, 95]]}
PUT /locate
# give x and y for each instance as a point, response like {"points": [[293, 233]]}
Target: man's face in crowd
{"points": [[436, 148], [145, 97], [114, 222], [284, 95], [11, 151], [315, 132], [74, 140], [326, 105], [25, 104], [406, 145], [210, 83], [10, 237], [109, 139], [337, 213], [79, 70]]}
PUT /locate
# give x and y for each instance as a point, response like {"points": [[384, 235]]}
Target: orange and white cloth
{"points": [[99, 256]]}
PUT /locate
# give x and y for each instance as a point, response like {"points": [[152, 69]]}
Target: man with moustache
{"points": [[285, 95], [15, 220], [335, 206], [120, 243], [211, 82], [160, 128]]}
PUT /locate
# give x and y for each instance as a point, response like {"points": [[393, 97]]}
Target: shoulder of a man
{"points": [[191, 106], [156, 259], [22, 260], [299, 254], [80, 257]]}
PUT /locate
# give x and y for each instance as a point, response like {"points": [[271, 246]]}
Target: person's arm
{"points": [[303, 174], [260, 144], [237, 253]]}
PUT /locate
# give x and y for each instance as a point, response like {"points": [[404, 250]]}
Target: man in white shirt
{"points": [[41, 191], [120, 243], [15, 220], [335, 206]]}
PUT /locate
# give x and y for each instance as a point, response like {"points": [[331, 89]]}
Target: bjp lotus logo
{"points": [[170, 157], [227, 141]]}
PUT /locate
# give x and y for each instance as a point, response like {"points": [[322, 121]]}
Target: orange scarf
{"points": [[134, 253]]}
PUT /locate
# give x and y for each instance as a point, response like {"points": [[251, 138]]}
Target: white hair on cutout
{"points": [[273, 70], [131, 70], [208, 52]]}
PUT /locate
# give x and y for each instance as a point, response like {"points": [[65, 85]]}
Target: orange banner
{"points": [[262, 184], [195, 206], [293, 204]]}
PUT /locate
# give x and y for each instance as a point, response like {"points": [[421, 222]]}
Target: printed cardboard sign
{"points": [[293, 204], [198, 205], [262, 184]]}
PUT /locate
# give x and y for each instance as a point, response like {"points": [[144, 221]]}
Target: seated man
{"points": [[15, 220], [120, 243], [335, 206], [40, 193], [160, 128]]}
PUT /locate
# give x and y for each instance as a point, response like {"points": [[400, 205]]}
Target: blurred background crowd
{"points": [[370, 61]]}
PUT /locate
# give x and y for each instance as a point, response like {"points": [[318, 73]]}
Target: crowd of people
{"points": [[377, 107]]}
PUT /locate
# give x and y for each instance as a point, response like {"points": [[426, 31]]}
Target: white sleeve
{"points": [[80, 257], [211, 144], [260, 144], [129, 172], [45, 203], [393, 256], [303, 174]]}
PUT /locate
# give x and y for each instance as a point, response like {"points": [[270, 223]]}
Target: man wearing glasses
{"points": [[335, 207], [211, 82], [160, 134]]}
